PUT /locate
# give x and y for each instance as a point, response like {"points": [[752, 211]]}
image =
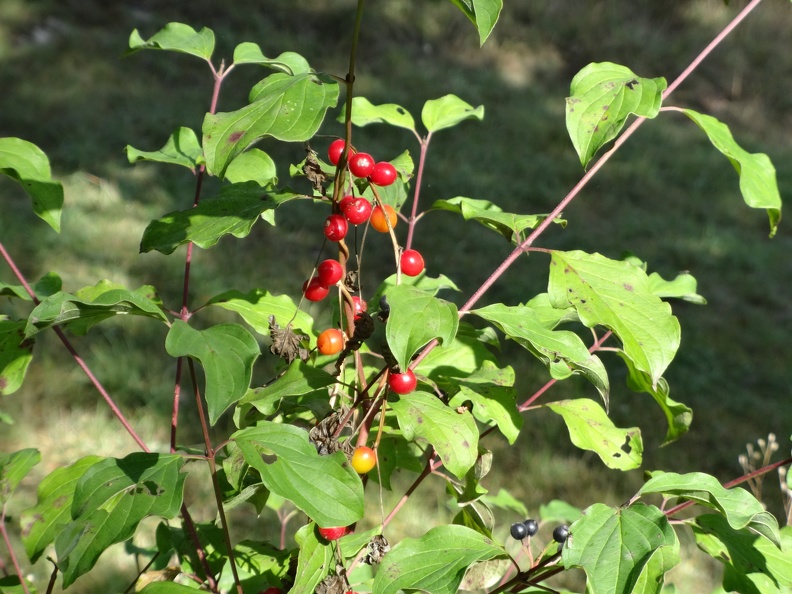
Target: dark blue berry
{"points": [[561, 533], [518, 531], [531, 527]]}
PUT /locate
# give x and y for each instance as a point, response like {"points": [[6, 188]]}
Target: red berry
{"points": [[330, 342], [378, 218], [330, 272], [335, 227], [359, 305], [363, 459], [411, 262], [342, 204], [272, 590], [335, 150], [383, 174], [402, 383], [361, 164], [314, 290], [357, 210], [333, 533]]}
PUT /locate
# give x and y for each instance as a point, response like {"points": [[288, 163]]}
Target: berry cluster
{"points": [[529, 527]]}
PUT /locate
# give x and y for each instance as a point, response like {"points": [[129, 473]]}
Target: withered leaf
{"points": [[287, 343], [376, 549]]}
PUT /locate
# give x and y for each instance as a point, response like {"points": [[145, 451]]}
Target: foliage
{"points": [[294, 434]]}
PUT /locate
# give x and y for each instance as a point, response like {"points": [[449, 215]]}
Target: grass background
{"points": [[668, 197]]}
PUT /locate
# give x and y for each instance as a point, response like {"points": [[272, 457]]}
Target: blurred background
{"points": [[668, 197]]}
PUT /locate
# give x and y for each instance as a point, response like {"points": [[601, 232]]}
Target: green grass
{"points": [[668, 197]]}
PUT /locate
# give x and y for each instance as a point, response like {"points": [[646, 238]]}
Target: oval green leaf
{"points": [[13, 468], [591, 429], [602, 96], [448, 111], [289, 108], [182, 148], [234, 211], [288, 62], [415, 319], [453, 434], [616, 547], [256, 307], [313, 561], [226, 352], [617, 295], [176, 37], [758, 183], [26, 163], [324, 487], [364, 112], [252, 165], [482, 13], [434, 563]]}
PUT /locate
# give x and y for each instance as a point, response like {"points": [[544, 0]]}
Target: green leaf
{"points": [[482, 13], [233, 211], [684, 286], [227, 353], [10, 584], [415, 319], [289, 108], [678, 416], [47, 285], [182, 148], [16, 353], [41, 524], [110, 499], [434, 563], [491, 391], [510, 225], [562, 351], [252, 165], [602, 97], [448, 111], [741, 509], [617, 295], [324, 487], [758, 183], [453, 434], [619, 548], [91, 305], [298, 380], [260, 565], [13, 468], [26, 163], [558, 512], [364, 113], [256, 306], [591, 429], [751, 564], [176, 37], [288, 62], [313, 562], [505, 500], [550, 316]]}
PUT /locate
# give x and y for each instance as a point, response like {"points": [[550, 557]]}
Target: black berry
{"points": [[518, 531], [531, 527], [560, 533]]}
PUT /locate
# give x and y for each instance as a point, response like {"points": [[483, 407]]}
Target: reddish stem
{"points": [[14, 560], [418, 180]]}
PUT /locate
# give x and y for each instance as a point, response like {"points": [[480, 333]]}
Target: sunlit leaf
{"points": [[490, 215], [13, 468], [47, 285], [591, 429], [364, 113], [415, 319], [448, 111], [233, 211], [314, 560], [16, 353], [434, 563], [562, 351], [252, 165], [453, 433], [482, 13], [740, 508], [90, 305], [287, 62], [256, 306], [226, 352], [324, 487], [182, 148], [758, 183], [289, 108], [620, 547], [27, 164], [617, 295], [176, 37], [298, 380], [110, 499], [602, 97]]}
